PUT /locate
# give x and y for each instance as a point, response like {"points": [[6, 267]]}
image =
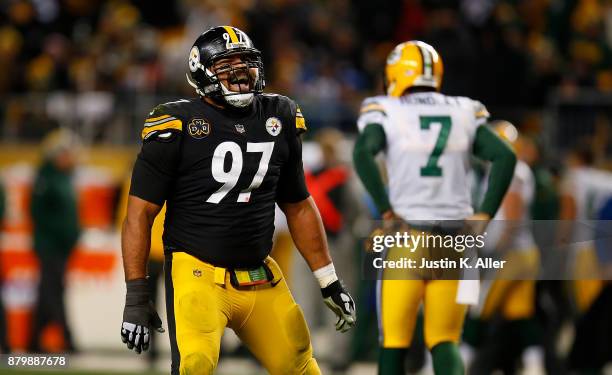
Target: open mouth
{"points": [[239, 84], [238, 80]]}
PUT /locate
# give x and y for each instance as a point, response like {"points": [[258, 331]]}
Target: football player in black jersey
{"points": [[220, 162]]}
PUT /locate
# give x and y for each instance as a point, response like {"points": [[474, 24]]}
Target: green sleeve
{"points": [[369, 143], [489, 146]]}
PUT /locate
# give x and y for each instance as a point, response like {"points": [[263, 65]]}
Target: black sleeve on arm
{"points": [[489, 146], [369, 143], [155, 169], [291, 187]]}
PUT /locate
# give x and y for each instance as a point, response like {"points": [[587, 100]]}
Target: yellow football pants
{"points": [[514, 299], [401, 291], [201, 302], [513, 291], [586, 286], [398, 305]]}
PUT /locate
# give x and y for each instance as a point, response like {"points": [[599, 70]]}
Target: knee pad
{"points": [[196, 364]]}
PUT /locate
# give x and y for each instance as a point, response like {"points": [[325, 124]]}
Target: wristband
{"points": [[326, 275], [137, 292]]}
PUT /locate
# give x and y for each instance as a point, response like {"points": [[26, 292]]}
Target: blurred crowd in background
{"points": [[510, 54], [99, 66]]}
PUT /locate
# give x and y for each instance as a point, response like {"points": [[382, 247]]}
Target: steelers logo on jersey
{"points": [[273, 126], [198, 128]]}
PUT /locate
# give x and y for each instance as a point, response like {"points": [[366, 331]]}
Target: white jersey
{"points": [[429, 143], [590, 188], [523, 184]]}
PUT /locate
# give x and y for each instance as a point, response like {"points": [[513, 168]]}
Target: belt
{"points": [[451, 227], [219, 275]]}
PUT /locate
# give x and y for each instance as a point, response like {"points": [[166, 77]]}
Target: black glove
{"points": [[139, 316], [341, 303]]}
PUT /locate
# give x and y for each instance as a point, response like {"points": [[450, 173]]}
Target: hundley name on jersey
{"points": [[221, 173], [428, 137]]}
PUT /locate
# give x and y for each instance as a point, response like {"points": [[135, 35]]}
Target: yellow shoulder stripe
{"points": [[153, 119], [482, 113], [173, 124], [300, 123], [372, 107]]}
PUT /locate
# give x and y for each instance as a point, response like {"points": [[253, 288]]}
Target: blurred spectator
{"points": [[457, 48], [4, 346], [328, 55], [56, 231]]}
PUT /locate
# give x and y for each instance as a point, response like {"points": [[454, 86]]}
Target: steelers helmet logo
{"points": [[194, 59], [198, 128], [273, 126]]}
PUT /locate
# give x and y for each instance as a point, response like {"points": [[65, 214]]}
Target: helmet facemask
{"points": [[234, 77]]}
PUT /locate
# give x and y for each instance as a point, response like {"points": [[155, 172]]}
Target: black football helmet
{"points": [[220, 42]]}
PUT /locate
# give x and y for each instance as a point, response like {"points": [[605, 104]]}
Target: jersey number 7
{"points": [[432, 169], [230, 178]]}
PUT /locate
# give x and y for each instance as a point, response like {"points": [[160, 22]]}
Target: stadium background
{"points": [[97, 67]]}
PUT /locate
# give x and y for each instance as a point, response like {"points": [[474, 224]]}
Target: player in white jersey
{"points": [[515, 207], [435, 133], [510, 292], [427, 139], [585, 190]]}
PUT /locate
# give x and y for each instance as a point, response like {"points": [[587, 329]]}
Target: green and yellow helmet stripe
{"points": [[410, 64], [427, 61]]}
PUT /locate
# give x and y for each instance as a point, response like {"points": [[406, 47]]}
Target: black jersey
{"points": [[220, 173]]}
